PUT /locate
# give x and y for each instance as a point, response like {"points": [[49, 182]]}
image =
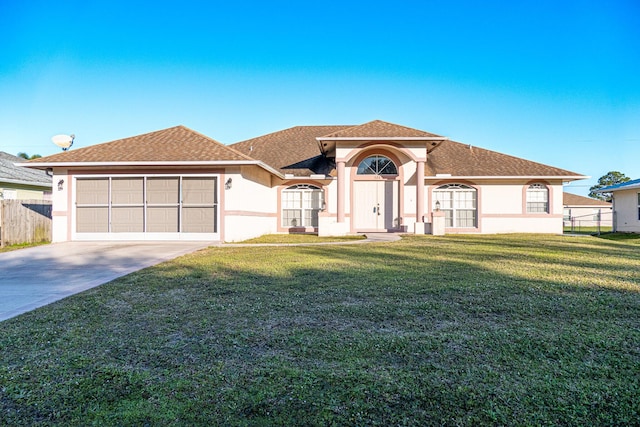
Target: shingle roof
{"points": [[179, 144], [296, 151], [380, 129], [291, 151], [459, 159], [9, 173], [570, 199]]}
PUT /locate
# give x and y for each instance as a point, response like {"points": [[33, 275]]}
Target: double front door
{"points": [[376, 206]]}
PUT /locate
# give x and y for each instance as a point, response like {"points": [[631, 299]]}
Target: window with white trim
{"points": [[638, 206], [537, 198], [377, 165], [300, 205], [459, 204]]}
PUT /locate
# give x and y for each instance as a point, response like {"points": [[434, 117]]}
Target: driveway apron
{"points": [[33, 277]]}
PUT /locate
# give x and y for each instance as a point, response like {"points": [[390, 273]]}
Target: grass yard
{"points": [[587, 230], [457, 330], [10, 248], [301, 239]]}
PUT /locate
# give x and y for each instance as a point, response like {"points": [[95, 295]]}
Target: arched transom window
{"points": [[300, 205], [377, 165], [459, 204], [537, 198]]}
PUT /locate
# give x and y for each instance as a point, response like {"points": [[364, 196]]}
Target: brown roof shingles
{"points": [[176, 144], [296, 151], [380, 129], [292, 151], [570, 199], [458, 159]]}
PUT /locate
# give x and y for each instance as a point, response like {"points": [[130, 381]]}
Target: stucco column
{"points": [[419, 191], [341, 184]]}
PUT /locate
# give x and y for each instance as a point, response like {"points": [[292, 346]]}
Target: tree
{"points": [[611, 178], [28, 157]]}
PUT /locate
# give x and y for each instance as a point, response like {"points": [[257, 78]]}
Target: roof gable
{"points": [[175, 144], [379, 129]]}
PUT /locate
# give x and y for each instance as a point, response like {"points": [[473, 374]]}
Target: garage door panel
{"points": [[162, 219], [127, 191], [162, 190], [94, 191], [127, 219], [199, 220], [92, 219], [198, 191]]}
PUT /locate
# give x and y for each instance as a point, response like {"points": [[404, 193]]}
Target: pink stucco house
{"points": [[334, 180]]}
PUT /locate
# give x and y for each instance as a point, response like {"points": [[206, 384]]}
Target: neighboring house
{"points": [[580, 211], [334, 180], [626, 206], [22, 183]]}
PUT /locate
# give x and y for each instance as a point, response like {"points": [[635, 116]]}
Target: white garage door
{"points": [[146, 207]]}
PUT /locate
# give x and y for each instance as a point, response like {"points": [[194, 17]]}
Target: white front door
{"points": [[376, 205]]}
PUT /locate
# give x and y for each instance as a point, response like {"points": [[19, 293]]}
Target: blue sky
{"points": [[554, 82]]}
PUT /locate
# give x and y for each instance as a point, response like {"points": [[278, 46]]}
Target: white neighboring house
{"points": [[580, 211], [626, 206], [332, 180]]}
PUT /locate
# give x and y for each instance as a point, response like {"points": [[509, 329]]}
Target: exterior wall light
{"points": [[61, 185], [437, 205], [228, 184]]}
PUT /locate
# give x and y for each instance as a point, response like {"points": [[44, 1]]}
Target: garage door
{"points": [[146, 207]]}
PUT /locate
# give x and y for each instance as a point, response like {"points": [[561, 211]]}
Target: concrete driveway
{"points": [[33, 277]]}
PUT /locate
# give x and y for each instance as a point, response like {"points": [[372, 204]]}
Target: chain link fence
{"points": [[598, 222]]}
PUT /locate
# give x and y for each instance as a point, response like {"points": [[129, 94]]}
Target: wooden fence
{"points": [[25, 221]]}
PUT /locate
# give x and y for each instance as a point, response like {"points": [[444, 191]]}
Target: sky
{"points": [[556, 82]]}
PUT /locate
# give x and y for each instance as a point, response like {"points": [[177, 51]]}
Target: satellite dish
{"points": [[63, 141]]}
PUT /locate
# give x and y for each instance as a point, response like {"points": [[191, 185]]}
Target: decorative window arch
{"points": [[459, 204], [537, 198], [300, 205], [377, 165]]}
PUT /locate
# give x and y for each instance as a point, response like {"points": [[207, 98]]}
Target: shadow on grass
{"points": [[620, 236], [422, 332]]}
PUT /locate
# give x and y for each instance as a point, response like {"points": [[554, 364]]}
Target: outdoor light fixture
{"points": [[437, 205], [227, 185], [61, 185]]}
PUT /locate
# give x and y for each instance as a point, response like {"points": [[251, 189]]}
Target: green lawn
{"points": [[301, 239], [587, 230], [10, 248], [457, 330]]}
